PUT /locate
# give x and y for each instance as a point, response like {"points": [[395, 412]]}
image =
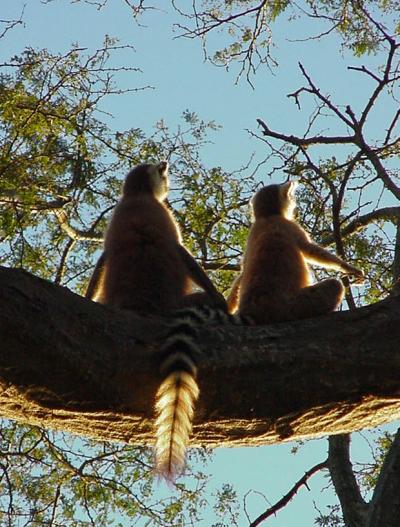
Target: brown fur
{"points": [[275, 283], [145, 268], [143, 272]]}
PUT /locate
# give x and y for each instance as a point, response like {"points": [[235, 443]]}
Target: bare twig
{"points": [[305, 141], [385, 213], [7, 25], [290, 495]]}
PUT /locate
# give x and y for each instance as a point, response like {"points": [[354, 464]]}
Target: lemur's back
{"points": [[137, 277], [273, 267]]}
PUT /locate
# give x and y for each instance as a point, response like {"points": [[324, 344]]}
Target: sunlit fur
{"points": [[275, 282], [144, 271], [175, 402], [177, 393], [145, 268]]}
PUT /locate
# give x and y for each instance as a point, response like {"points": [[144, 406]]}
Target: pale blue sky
{"points": [[183, 81]]}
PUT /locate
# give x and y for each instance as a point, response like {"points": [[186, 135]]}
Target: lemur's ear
{"points": [[163, 166], [289, 188]]}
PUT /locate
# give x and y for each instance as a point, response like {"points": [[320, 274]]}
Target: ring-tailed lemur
{"points": [[145, 268], [275, 284]]}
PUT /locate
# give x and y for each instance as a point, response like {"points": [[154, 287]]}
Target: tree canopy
{"points": [[61, 165]]}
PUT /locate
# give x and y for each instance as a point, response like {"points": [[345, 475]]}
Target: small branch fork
{"points": [[8, 25], [291, 494]]}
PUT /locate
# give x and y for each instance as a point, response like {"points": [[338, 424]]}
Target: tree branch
{"points": [[396, 261], [375, 161], [75, 234], [355, 124], [354, 508], [385, 503], [290, 495], [72, 364], [7, 25], [325, 100], [214, 21], [305, 141], [385, 213], [215, 266], [391, 128]]}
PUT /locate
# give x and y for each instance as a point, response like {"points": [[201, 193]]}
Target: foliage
{"points": [[331, 519], [55, 479], [226, 506], [61, 166], [248, 26], [370, 473]]}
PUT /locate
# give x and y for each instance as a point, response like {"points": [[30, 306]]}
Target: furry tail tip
{"points": [[175, 402]]}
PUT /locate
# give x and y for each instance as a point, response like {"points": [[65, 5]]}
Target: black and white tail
{"points": [[178, 392]]}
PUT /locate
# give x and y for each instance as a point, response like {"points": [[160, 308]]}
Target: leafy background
{"points": [[78, 107]]}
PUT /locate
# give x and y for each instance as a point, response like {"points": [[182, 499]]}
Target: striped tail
{"points": [[178, 392]]}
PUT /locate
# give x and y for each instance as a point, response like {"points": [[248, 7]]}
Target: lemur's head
{"points": [[149, 179], [275, 200]]}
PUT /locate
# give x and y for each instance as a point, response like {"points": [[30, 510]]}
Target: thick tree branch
{"points": [[396, 261], [354, 508], [69, 363]]}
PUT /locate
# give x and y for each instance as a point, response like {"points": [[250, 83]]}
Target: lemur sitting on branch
{"points": [[145, 268], [275, 284]]}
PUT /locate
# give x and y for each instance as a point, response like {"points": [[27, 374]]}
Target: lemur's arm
{"points": [[198, 275], [233, 298], [96, 278], [318, 255]]}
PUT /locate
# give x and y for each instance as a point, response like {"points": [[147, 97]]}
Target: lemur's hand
{"points": [[358, 275]]}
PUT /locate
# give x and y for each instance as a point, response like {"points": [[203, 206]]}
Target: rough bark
{"points": [[71, 364], [396, 262], [354, 508], [385, 503]]}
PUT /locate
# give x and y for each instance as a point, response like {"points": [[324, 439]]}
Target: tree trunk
{"points": [[75, 365]]}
